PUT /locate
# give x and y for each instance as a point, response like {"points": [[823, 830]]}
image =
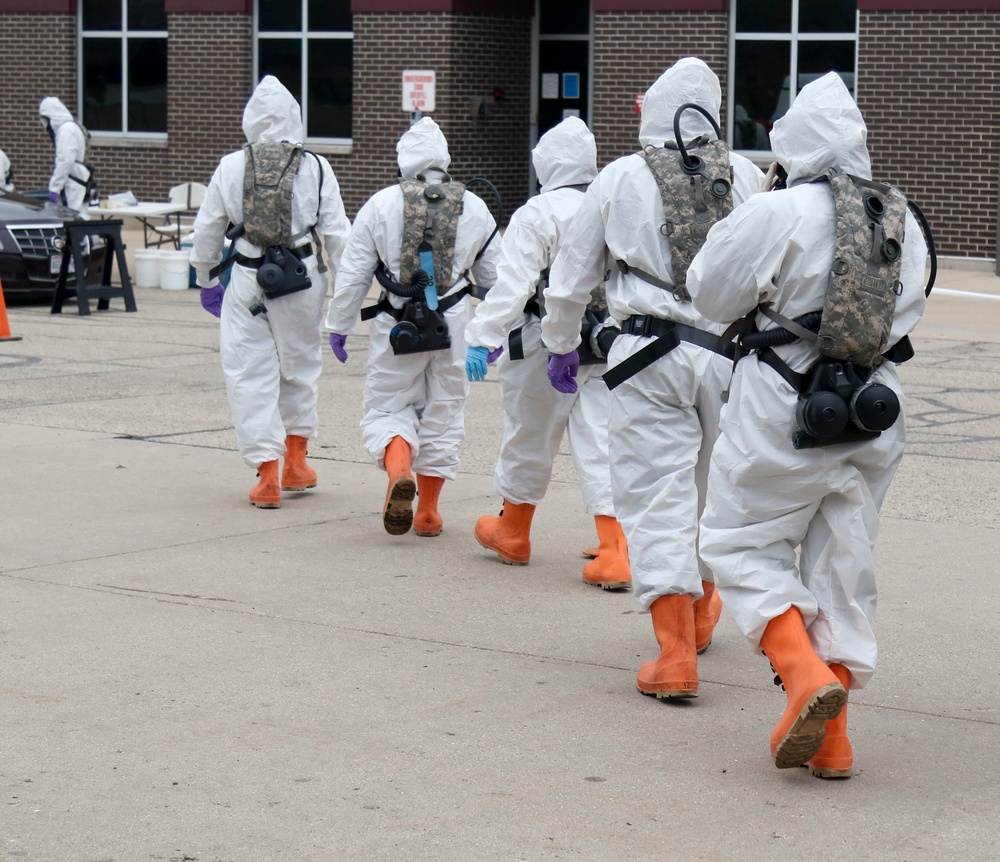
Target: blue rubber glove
{"points": [[337, 342], [562, 371], [211, 299], [475, 363], [54, 197], [494, 355]]}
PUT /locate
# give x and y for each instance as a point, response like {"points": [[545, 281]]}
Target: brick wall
{"points": [[632, 50], [25, 84], [207, 89], [209, 79], [929, 89], [471, 55]]}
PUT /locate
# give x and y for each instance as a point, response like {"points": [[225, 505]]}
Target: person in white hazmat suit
{"points": [[536, 416], [5, 173], [664, 418], [813, 617], [414, 402], [273, 359], [70, 176]]}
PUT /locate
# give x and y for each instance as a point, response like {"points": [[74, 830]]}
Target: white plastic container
{"points": [[174, 269], [147, 267]]}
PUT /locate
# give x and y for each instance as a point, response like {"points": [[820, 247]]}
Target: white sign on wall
{"points": [[418, 90]]}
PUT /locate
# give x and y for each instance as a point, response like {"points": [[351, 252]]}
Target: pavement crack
{"points": [[171, 595]]}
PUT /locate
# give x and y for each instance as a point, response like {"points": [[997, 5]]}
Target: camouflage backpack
{"points": [[430, 212], [270, 170], [692, 203], [861, 297]]}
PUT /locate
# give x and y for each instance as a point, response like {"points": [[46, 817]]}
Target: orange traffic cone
{"points": [[4, 325]]}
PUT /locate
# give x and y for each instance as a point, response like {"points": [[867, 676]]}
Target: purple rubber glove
{"points": [[54, 197], [562, 371], [494, 355], [211, 299], [337, 342]]}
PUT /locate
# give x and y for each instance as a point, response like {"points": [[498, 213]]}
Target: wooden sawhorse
{"points": [[111, 230]]}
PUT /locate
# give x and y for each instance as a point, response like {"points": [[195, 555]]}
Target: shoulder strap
{"points": [[320, 262]]}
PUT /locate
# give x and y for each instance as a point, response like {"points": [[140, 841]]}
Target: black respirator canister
{"points": [[282, 273]]}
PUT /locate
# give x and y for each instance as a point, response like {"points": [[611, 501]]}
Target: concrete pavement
{"points": [[185, 677]]}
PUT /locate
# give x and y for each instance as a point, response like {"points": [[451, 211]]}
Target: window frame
{"points": [[304, 35], [793, 37], [123, 34]]}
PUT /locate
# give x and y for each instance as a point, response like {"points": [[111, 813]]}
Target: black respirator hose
{"points": [[776, 337], [929, 239], [406, 291], [692, 164], [499, 213]]}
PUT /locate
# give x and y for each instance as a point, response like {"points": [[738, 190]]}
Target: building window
{"points": [[775, 49], [308, 45], [123, 66]]}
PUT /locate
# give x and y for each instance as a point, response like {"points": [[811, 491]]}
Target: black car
{"points": [[32, 242]]}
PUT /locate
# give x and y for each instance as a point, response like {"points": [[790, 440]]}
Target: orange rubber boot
{"points": [[707, 611], [266, 494], [675, 672], [297, 475], [428, 521], [609, 569], [508, 533], [835, 757], [397, 513], [815, 695]]}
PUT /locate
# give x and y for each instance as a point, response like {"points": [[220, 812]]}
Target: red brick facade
{"points": [[631, 50], [471, 55], [927, 85], [26, 84], [929, 89]]}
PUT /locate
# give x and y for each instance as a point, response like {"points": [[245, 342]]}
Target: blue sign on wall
{"points": [[571, 85]]}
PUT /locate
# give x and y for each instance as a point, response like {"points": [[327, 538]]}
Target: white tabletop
{"points": [[143, 209]]}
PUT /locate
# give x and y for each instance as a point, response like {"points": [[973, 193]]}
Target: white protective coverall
{"points": [[272, 362], [71, 151], [535, 415], [765, 498], [664, 419], [4, 171], [419, 396]]}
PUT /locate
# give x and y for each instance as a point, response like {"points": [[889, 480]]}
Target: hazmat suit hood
{"points": [[421, 148], [566, 155], [688, 80], [822, 129], [272, 114], [55, 112]]}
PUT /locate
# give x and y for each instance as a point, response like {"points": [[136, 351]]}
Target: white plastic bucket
{"points": [[174, 269], [147, 267]]}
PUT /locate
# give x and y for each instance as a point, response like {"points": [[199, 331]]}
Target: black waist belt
{"points": [[515, 343], [383, 306], [668, 335], [300, 251]]}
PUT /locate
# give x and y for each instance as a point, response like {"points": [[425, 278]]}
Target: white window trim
{"points": [[304, 35], [122, 35], [793, 37]]}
